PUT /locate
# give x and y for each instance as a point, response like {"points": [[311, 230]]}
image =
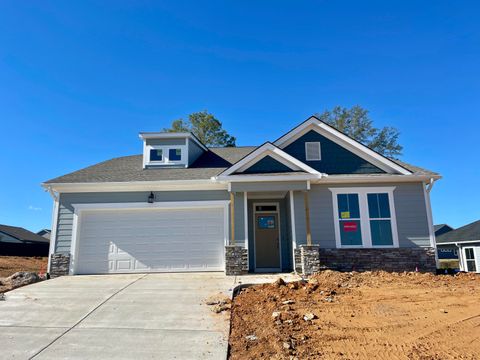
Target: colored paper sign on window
{"points": [[350, 226], [345, 214], [266, 222]]}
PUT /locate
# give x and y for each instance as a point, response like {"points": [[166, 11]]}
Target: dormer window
{"points": [[170, 149], [165, 155], [175, 154], [156, 155]]}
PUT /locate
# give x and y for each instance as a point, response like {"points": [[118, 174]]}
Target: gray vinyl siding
{"points": [[239, 204], [412, 219], [267, 165], [285, 238], [65, 214], [166, 142], [335, 159], [269, 186], [410, 209], [194, 151]]}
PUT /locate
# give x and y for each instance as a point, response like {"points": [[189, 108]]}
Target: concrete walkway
{"points": [[154, 316]]}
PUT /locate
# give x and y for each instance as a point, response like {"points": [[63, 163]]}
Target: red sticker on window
{"points": [[350, 226]]}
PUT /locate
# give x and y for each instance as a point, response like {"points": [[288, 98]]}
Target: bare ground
{"points": [[359, 316], [12, 264]]}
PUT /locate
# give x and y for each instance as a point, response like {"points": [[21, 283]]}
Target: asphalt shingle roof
{"points": [[22, 234], [211, 163], [130, 168], [468, 232]]}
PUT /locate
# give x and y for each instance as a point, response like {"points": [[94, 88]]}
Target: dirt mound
{"points": [[12, 264], [370, 315]]}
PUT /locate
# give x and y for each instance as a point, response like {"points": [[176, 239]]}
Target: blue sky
{"points": [[79, 80]]}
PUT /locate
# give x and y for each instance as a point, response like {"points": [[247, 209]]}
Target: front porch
{"points": [[268, 222]]}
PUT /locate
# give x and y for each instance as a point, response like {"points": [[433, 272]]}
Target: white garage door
{"points": [[150, 240]]}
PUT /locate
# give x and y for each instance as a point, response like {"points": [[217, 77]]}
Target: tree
{"points": [[356, 123], [205, 127]]}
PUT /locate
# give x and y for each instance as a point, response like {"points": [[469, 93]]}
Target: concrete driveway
{"points": [[153, 316]]}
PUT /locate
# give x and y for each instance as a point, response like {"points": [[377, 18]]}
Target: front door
{"points": [[267, 242]]}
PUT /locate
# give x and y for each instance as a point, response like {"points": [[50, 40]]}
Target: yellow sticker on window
{"points": [[345, 214]]}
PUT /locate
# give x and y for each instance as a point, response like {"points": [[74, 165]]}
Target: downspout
{"points": [[433, 242], [53, 233]]}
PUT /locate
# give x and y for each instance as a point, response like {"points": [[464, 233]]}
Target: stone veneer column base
{"points": [[59, 265], [309, 259], [236, 260], [395, 260]]}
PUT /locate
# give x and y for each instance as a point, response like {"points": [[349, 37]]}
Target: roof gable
{"points": [[268, 149], [469, 232], [267, 165], [350, 144], [335, 159]]}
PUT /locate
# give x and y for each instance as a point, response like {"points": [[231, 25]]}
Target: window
{"points": [[266, 222], [349, 219], [380, 223], [364, 217], [470, 259], [312, 151], [266, 208], [175, 154], [164, 155], [156, 155]]}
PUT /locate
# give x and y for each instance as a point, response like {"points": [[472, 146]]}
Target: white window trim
{"points": [[165, 149], [364, 215], [307, 158]]}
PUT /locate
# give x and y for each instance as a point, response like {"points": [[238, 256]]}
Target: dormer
{"points": [[170, 149]]}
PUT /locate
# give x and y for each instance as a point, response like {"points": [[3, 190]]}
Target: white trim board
{"points": [[343, 140], [80, 208], [364, 216], [172, 135], [268, 149]]}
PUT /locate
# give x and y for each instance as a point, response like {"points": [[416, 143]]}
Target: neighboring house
{"points": [[44, 233], [445, 252], [467, 240], [441, 229], [21, 242], [314, 197]]}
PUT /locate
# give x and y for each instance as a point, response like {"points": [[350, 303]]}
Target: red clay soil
{"points": [[12, 264], [359, 316]]}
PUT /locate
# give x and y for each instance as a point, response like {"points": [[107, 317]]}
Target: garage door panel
{"points": [[151, 240]]}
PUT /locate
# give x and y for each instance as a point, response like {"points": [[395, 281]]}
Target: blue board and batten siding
{"points": [[267, 165], [335, 159], [194, 151], [410, 209]]}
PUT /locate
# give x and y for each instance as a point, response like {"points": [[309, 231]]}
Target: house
{"points": [[441, 229], [18, 241], [466, 240], [314, 197], [45, 233], [445, 253]]}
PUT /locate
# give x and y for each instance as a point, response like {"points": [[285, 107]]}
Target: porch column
{"points": [[232, 218], [307, 218]]}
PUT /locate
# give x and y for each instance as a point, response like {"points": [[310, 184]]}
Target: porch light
{"points": [[151, 198]]}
